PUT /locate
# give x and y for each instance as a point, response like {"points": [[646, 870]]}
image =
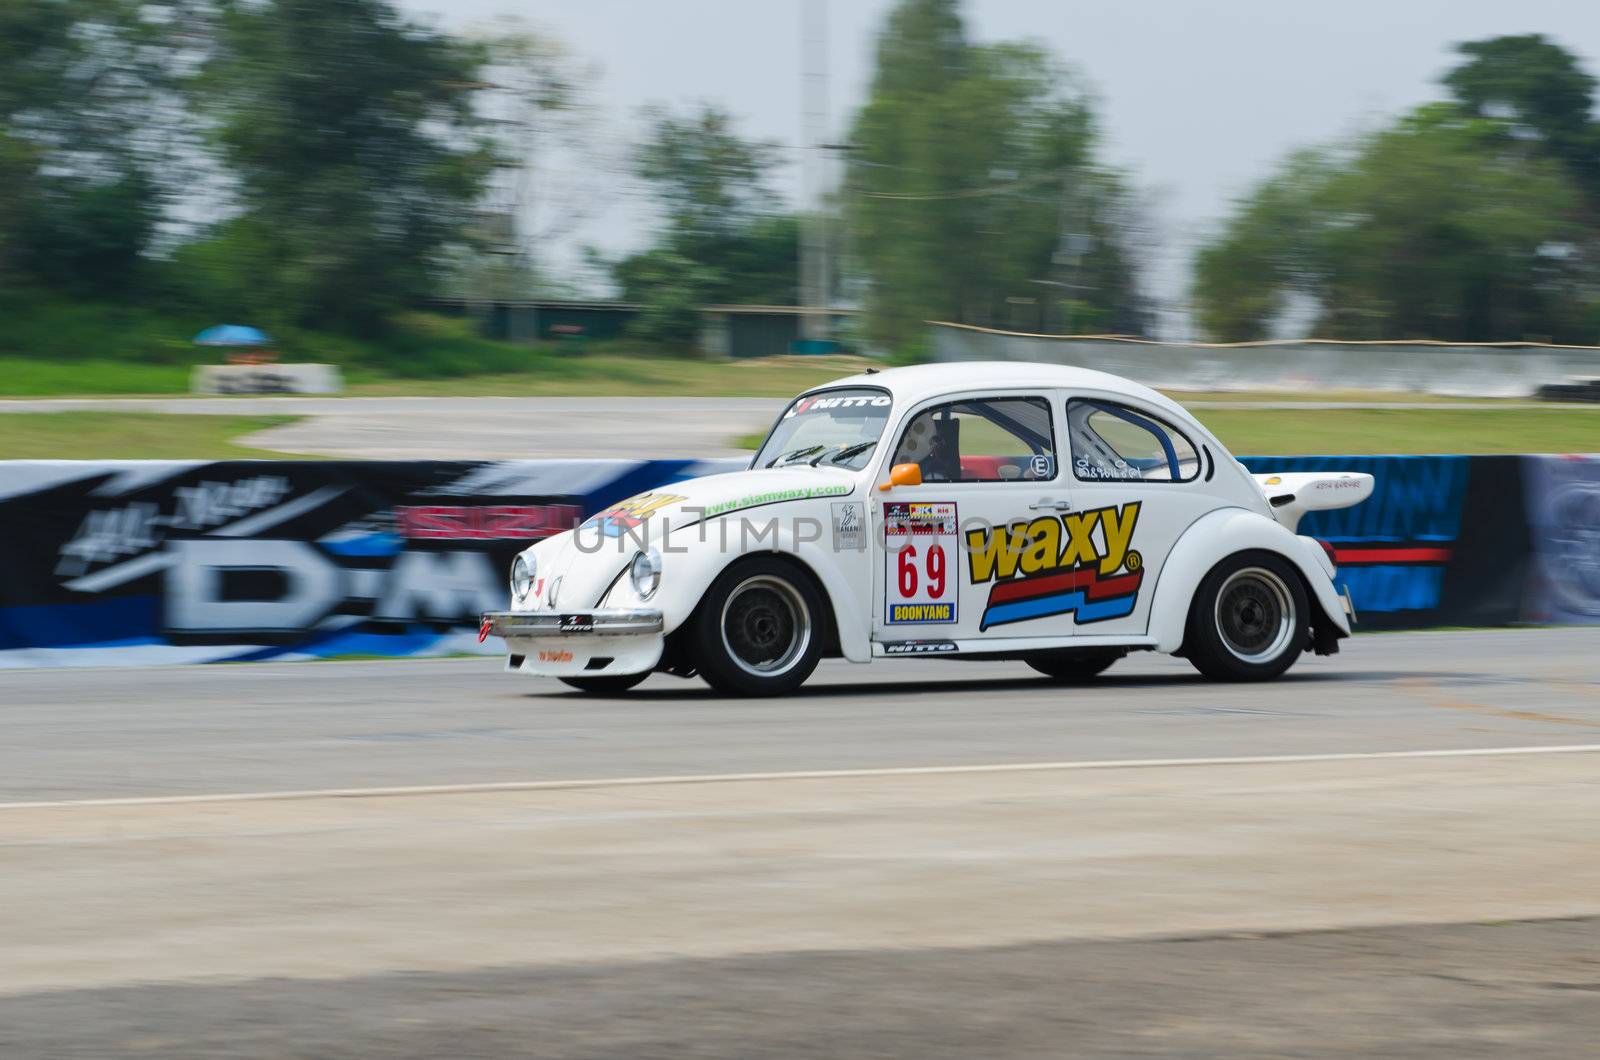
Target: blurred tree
{"points": [[1539, 89], [722, 239], [1430, 229], [1244, 277], [708, 180], [356, 149], [973, 183], [90, 110], [554, 164]]}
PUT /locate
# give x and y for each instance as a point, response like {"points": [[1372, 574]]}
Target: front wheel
{"points": [[613, 685], [758, 631], [1248, 620]]}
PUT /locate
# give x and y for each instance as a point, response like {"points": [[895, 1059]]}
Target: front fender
{"points": [[1212, 539], [693, 557]]}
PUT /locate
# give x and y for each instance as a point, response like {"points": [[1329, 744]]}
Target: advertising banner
{"points": [[1563, 498], [1441, 542], [145, 562], [170, 562]]}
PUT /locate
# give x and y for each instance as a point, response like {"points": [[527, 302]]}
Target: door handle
{"points": [[1048, 505]]}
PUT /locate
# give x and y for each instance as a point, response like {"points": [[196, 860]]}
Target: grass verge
{"points": [[1370, 431], [132, 436]]}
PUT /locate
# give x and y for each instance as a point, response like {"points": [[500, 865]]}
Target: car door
{"points": [[989, 472], [1136, 482]]}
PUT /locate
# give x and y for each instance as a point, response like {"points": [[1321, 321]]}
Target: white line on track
{"points": [[816, 774]]}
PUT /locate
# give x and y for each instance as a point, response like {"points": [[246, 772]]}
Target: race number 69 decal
{"points": [[920, 539]]}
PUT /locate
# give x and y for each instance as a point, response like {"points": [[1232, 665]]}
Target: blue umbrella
{"points": [[232, 335]]}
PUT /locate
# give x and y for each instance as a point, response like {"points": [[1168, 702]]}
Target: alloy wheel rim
{"points": [[766, 626], [1255, 615]]}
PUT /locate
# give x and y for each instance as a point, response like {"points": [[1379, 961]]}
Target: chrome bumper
{"points": [[600, 623]]}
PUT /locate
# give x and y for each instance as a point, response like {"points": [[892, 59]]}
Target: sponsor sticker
{"points": [[922, 543], [577, 624], [919, 647], [849, 526], [1080, 563], [824, 403], [555, 656], [631, 513], [756, 500]]}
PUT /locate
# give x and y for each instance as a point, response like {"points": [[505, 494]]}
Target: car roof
{"points": [[920, 382]]}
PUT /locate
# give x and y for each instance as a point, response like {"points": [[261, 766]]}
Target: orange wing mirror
{"points": [[903, 475]]}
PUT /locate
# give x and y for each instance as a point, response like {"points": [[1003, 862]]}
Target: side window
{"points": [[981, 440], [1113, 443]]}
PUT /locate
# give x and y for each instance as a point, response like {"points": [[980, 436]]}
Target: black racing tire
{"points": [[1074, 666], [1250, 618], [612, 685], [759, 629]]}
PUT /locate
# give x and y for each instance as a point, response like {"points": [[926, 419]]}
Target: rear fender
{"points": [[1217, 536]]}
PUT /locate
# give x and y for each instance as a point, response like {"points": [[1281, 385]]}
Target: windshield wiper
{"points": [[793, 454], [844, 454]]}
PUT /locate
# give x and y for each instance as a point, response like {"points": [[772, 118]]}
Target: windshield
{"points": [[834, 427]]}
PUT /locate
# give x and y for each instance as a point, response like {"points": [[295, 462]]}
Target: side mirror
{"points": [[903, 475]]}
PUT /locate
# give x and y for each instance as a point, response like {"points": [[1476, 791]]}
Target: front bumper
{"points": [[601, 623], [594, 643]]}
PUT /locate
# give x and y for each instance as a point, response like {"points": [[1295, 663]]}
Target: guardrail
{"points": [[134, 562], [1510, 370]]}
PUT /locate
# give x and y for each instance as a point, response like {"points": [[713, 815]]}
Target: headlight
{"points": [[646, 573], [522, 569]]}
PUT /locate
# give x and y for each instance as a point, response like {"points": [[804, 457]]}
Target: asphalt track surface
{"points": [[78, 734], [1391, 852]]}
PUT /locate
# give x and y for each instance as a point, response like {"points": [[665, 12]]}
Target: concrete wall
{"points": [[1469, 371]]}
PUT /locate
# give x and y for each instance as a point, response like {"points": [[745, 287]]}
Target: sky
{"points": [[1197, 99]]}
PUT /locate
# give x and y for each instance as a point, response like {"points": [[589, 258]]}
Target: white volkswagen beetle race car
{"points": [[1053, 515]]}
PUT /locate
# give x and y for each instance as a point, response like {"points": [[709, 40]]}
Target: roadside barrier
{"points": [[149, 562]]}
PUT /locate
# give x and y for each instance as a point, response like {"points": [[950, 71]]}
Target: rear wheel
{"points": [[600, 686], [1074, 666], [1249, 618], [758, 631]]}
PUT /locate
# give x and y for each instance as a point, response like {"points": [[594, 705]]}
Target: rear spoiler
{"points": [[1293, 494]]}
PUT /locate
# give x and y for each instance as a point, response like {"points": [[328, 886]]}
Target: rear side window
{"points": [[1114, 443]]}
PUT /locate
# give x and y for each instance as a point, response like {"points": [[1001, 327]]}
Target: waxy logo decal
{"points": [[1080, 563]]}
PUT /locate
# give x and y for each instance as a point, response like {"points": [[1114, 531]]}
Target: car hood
{"points": [[590, 559], [686, 503]]}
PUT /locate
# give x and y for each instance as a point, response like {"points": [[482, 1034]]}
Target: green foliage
{"points": [[1243, 278], [1435, 228], [1464, 221], [352, 136], [721, 243], [670, 288], [88, 234], [708, 180], [67, 330], [973, 181], [86, 114], [54, 343], [1538, 86]]}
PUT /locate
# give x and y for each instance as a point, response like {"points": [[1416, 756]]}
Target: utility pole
{"points": [[816, 265]]}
